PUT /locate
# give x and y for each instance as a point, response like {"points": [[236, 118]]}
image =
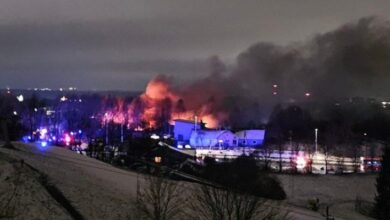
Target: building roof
{"points": [[251, 134]]}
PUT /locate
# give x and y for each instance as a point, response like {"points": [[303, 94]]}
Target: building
{"points": [[182, 131], [213, 138], [189, 134], [250, 138]]}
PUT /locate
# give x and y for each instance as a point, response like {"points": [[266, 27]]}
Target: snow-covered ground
{"points": [[337, 191], [96, 189], [22, 196], [100, 191]]}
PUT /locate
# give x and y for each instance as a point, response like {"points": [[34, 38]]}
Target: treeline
{"points": [[348, 124]]}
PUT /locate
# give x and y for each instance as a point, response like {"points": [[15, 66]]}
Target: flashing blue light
{"points": [[25, 139], [43, 144]]}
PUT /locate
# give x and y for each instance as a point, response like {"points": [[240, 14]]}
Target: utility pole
{"points": [[122, 133], [316, 139], [196, 122], [106, 132]]}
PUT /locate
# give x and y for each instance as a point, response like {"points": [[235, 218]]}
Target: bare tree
{"points": [[266, 153], [159, 199], [227, 204], [180, 108], [4, 130]]}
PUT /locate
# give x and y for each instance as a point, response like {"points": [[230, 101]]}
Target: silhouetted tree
{"points": [[240, 192], [33, 105], [211, 203], [6, 109], [382, 199], [180, 108], [245, 176], [159, 199]]}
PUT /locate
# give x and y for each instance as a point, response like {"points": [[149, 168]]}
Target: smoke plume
{"points": [[353, 60]]}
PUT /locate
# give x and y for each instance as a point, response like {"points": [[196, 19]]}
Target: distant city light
{"points": [[155, 137], [274, 93], [275, 85], [35, 109], [20, 98], [307, 94], [44, 144], [50, 112], [157, 159], [15, 113], [63, 99]]}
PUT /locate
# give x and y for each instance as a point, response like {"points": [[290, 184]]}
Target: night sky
{"points": [[122, 44]]}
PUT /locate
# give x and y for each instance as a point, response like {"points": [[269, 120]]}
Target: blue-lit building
{"points": [[189, 134], [250, 138], [213, 138], [182, 131]]}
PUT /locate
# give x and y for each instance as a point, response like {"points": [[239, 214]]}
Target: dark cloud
{"points": [[130, 41], [352, 60]]}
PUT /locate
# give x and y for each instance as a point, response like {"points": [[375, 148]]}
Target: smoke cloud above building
{"points": [[352, 60]]}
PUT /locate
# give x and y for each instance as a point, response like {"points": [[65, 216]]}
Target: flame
{"points": [[161, 102]]}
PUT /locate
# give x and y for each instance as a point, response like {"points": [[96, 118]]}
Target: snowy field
{"points": [[96, 189], [337, 191], [100, 191]]}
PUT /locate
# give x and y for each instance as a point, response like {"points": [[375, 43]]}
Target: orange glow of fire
{"points": [[158, 95]]}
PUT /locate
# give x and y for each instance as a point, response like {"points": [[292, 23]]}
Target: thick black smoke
{"points": [[353, 60]]}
